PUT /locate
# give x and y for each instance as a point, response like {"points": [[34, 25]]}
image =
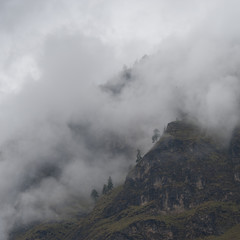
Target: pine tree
{"points": [[110, 184], [105, 189], [94, 195]]}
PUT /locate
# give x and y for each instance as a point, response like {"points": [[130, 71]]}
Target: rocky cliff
{"points": [[186, 187]]}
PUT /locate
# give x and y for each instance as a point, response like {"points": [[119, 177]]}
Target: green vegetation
{"points": [[48, 231], [231, 234], [107, 187], [110, 184], [104, 190], [95, 225], [136, 214]]}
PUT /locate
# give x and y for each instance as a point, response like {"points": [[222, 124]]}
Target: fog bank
{"points": [[71, 113]]}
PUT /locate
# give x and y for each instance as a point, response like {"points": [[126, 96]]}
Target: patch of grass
{"points": [[95, 226], [49, 231], [232, 234], [108, 226]]}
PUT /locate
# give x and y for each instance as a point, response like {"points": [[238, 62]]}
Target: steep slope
{"points": [[186, 187]]}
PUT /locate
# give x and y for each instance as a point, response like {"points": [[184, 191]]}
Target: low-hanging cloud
{"points": [[70, 117]]}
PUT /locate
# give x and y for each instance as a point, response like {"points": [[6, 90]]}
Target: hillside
{"points": [[186, 187]]}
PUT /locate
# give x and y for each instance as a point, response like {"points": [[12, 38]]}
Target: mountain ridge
{"points": [[186, 187]]}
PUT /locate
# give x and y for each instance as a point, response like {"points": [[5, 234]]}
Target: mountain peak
{"points": [[182, 128]]}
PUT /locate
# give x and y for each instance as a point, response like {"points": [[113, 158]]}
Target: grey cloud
{"points": [[117, 85]]}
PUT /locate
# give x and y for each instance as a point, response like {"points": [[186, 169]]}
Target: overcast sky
{"points": [[78, 97], [129, 28]]}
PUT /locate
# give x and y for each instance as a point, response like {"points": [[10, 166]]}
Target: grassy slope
{"points": [[49, 231], [231, 234], [106, 227], [95, 226]]}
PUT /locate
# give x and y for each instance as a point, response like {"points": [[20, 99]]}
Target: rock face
{"points": [[186, 187], [184, 169]]}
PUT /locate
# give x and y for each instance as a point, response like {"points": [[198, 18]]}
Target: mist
{"points": [[84, 84]]}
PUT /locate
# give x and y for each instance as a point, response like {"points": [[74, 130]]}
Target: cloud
{"points": [[70, 115]]}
